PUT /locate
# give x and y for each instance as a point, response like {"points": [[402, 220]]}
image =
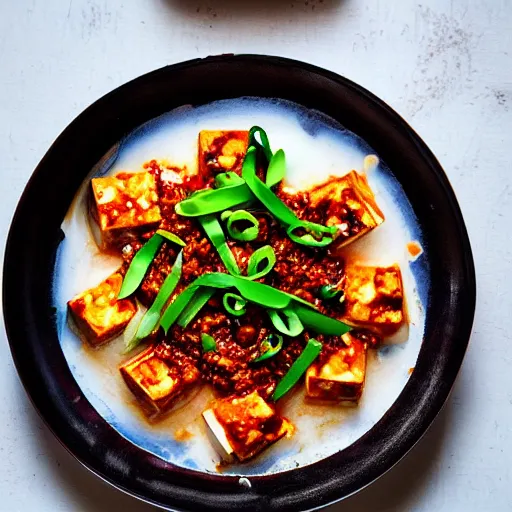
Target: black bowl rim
{"points": [[55, 394]]}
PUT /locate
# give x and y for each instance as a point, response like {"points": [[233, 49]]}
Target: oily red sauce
{"points": [[299, 270]]}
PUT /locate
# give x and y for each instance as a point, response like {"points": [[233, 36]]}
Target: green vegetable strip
{"points": [[276, 169], [252, 291], [171, 237], [264, 145], [214, 200], [139, 266], [259, 256], [308, 239], [268, 349], [208, 342], [150, 320], [319, 323], [228, 179], [329, 291], [294, 327], [238, 309], [273, 204], [246, 235], [200, 298], [278, 209], [214, 231], [298, 368]]}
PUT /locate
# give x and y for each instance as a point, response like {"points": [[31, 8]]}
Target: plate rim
{"points": [[267, 490]]}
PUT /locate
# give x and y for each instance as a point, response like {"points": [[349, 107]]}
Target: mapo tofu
{"points": [[245, 286]]}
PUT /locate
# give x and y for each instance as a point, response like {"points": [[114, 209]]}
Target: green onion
{"points": [[308, 239], [246, 235], [214, 231], [322, 324], [214, 200], [273, 204], [200, 298], [293, 326], [264, 144], [328, 292], [208, 342], [142, 260], [228, 179], [150, 320], [269, 348], [171, 237], [129, 339], [259, 293], [238, 308], [278, 209], [276, 169], [265, 255], [298, 368]]}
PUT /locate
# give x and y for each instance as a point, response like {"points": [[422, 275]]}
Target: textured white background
{"points": [[444, 65]]}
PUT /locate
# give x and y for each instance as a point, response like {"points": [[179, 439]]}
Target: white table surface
{"points": [[443, 65]]}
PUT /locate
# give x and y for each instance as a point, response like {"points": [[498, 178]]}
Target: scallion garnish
{"points": [[269, 347], [237, 308], [233, 221], [214, 231], [263, 143], [322, 324], [200, 298], [208, 342], [214, 200], [279, 210], [150, 320], [329, 291], [143, 259], [261, 262], [290, 325], [298, 368]]}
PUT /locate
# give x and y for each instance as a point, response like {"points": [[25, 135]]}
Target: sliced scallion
{"points": [[234, 304], [298, 368], [261, 262], [215, 233], [233, 221], [290, 325], [322, 324], [142, 260], [269, 347], [208, 342], [200, 298], [214, 200], [263, 143], [150, 320]]}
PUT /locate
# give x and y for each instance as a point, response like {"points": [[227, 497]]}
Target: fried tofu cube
{"points": [[339, 377], [221, 151], [242, 427], [98, 314], [374, 298], [350, 205], [125, 203], [158, 382]]}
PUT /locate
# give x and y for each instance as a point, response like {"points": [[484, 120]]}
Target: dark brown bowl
{"points": [[33, 240]]}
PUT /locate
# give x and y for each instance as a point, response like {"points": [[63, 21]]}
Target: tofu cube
{"points": [[340, 377], [221, 151], [98, 314], [374, 298], [125, 203], [242, 427], [157, 382], [350, 205]]}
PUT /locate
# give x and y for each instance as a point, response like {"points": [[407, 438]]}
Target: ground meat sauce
{"points": [[299, 270]]}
